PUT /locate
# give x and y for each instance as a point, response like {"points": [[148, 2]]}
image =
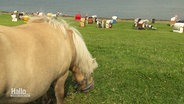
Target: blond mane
{"points": [[60, 24], [84, 59]]}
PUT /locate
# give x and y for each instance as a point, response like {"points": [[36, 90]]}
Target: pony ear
{"points": [[94, 60], [95, 64]]}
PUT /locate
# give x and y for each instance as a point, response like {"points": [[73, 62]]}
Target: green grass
{"points": [[5, 19], [135, 66]]}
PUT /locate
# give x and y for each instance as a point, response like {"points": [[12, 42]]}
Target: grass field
{"points": [[135, 66], [5, 19]]}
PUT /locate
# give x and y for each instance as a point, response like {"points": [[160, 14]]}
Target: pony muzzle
{"points": [[88, 87], [84, 86]]}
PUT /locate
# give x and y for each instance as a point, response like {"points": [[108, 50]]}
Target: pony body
{"points": [[34, 55]]}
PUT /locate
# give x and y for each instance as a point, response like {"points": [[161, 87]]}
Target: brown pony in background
{"points": [[36, 54]]}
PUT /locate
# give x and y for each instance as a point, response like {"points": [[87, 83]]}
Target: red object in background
{"points": [[77, 17]]}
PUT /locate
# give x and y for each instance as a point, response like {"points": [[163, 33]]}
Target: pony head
{"points": [[84, 64]]}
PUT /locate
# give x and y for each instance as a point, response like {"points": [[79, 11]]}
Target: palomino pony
{"points": [[36, 54]]}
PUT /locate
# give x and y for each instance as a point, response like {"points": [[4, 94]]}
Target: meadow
{"points": [[135, 66]]}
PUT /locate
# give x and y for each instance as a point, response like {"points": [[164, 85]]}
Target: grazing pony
{"points": [[39, 53]]}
